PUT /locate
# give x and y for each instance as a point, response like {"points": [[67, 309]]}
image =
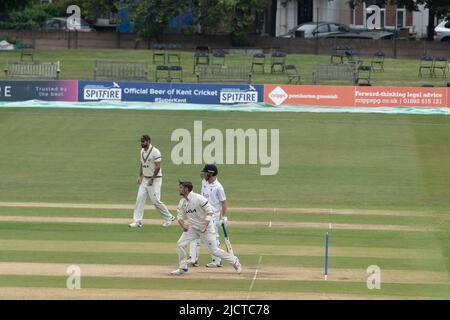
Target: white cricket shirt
{"points": [[215, 194], [194, 209], [148, 159]]}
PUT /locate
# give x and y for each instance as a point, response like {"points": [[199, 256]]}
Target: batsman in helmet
{"points": [[212, 190]]}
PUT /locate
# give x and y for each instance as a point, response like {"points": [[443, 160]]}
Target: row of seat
{"points": [[175, 73], [200, 58], [128, 70], [277, 62], [168, 57], [433, 65], [348, 54], [168, 73], [203, 57]]}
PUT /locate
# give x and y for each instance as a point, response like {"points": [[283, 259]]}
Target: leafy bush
{"points": [[32, 18], [29, 18]]}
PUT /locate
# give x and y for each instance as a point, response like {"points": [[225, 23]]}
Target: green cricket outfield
{"points": [[382, 182]]}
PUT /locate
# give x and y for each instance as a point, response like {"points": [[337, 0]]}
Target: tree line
{"points": [[150, 17]]}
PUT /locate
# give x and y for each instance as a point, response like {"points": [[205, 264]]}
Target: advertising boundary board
{"points": [[360, 96], [46, 90], [213, 94], [225, 94]]}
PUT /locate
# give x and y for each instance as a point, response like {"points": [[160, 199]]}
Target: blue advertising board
{"points": [[170, 92]]}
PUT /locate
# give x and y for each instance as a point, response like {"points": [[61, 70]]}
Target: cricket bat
{"points": [[227, 240]]}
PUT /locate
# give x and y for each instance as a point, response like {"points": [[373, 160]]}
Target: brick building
{"points": [[283, 15], [391, 15]]}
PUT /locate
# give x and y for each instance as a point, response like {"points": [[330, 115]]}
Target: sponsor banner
{"points": [[360, 96], [53, 90], [401, 97], [170, 92], [309, 95]]}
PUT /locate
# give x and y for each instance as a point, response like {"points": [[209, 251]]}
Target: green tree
{"points": [[150, 17], [208, 15], [26, 15], [240, 16], [91, 10], [28, 19], [31, 14], [7, 6], [234, 17]]}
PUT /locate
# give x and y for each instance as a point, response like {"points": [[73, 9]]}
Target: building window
{"points": [[401, 15]]}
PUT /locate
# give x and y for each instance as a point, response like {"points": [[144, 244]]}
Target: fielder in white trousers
{"points": [[194, 217], [194, 251], [154, 193], [209, 238]]}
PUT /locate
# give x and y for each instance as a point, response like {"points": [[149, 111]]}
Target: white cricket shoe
{"points": [[135, 224], [168, 222], [213, 264], [179, 272], [237, 266]]}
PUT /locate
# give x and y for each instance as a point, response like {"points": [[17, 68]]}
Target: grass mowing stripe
{"points": [[22, 293], [128, 283], [262, 272], [70, 212], [410, 290], [171, 260], [233, 224], [288, 236], [235, 216], [167, 247], [252, 210]]}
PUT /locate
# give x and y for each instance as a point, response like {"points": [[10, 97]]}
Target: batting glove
{"points": [[224, 220]]}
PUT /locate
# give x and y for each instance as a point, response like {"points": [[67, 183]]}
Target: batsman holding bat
{"points": [[195, 218], [213, 191]]}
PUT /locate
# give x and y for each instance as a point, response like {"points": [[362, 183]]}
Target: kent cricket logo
{"points": [[102, 92], [229, 147], [235, 95]]}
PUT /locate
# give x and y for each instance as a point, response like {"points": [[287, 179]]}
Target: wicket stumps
{"points": [[326, 257]]}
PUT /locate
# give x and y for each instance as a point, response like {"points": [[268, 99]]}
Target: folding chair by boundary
{"points": [[292, 74]]}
